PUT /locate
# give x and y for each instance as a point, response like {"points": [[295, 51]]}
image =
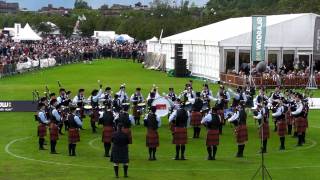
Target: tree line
{"points": [[144, 24]]}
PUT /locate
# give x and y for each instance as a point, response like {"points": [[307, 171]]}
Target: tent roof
{"points": [[27, 34], [227, 29]]}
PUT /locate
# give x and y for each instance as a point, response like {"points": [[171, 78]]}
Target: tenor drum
{"points": [[163, 106], [87, 109]]}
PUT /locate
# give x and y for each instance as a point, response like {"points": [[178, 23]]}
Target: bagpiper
{"points": [[196, 115], [212, 122], [126, 120], [79, 100], [180, 119], [300, 119], [279, 116], [42, 127], [261, 114], [74, 125], [94, 99], [55, 120], [239, 119], [107, 120], [152, 122]]}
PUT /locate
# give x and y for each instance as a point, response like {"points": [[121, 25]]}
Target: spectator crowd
{"points": [[63, 50]]}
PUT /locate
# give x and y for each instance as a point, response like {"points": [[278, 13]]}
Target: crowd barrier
{"points": [[61, 59], [292, 82]]}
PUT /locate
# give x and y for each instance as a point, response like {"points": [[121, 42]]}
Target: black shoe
{"points": [[210, 158], [239, 156], [125, 176], [299, 145], [150, 159], [61, 133], [176, 158], [282, 148], [42, 148], [54, 152]]}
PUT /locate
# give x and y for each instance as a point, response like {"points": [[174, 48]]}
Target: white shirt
{"points": [[279, 112], [298, 110], [234, 117], [96, 98], [43, 118], [77, 120], [56, 114], [122, 95], [208, 118], [76, 99]]}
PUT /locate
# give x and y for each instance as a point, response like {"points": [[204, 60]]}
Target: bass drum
{"points": [[163, 106]]}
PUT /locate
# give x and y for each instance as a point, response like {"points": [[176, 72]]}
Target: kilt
{"points": [[136, 111], [180, 136], [282, 128], [301, 124], [54, 132], [119, 154], [289, 118], [95, 115], [241, 133], [74, 135], [128, 132], [42, 130], [107, 134], [172, 126], [221, 114], [212, 137], [152, 138], [266, 131], [196, 118]]}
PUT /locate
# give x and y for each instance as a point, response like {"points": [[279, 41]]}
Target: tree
{"points": [[81, 4], [44, 28]]}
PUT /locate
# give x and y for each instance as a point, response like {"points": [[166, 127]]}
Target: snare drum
{"points": [[87, 109]]}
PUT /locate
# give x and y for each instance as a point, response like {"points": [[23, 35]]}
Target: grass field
{"points": [[21, 159]]}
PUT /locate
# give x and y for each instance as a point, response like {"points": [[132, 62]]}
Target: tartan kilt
{"points": [[54, 132], [289, 118], [42, 130], [152, 138], [221, 114], [172, 126], [135, 111], [241, 133], [94, 117], [107, 134], [128, 132], [301, 124], [74, 135], [282, 128], [266, 131], [212, 137], [196, 118], [180, 136]]}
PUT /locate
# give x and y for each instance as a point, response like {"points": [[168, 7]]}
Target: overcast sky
{"points": [[37, 4]]}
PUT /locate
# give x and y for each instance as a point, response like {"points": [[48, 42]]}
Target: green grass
{"points": [[29, 163]]}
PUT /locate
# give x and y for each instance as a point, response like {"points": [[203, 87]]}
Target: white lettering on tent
{"points": [[259, 37]]}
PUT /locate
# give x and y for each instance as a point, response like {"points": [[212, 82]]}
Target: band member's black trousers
{"points": [[72, 149], [275, 126], [301, 139], [282, 141], [212, 150], [107, 147], [41, 143], [179, 148], [220, 128], [196, 132], [53, 146], [152, 153], [66, 125]]}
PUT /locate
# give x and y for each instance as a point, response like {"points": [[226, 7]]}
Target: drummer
{"points": [[155, 91], [79, 100], [136, 99], [171, 95], [116, 103], [95, 96], [122, 94], [107, 96], [151, 98], [206, 95]]}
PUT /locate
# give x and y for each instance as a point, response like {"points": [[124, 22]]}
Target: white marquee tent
{"points": [[27, 34], [206, 48]]}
